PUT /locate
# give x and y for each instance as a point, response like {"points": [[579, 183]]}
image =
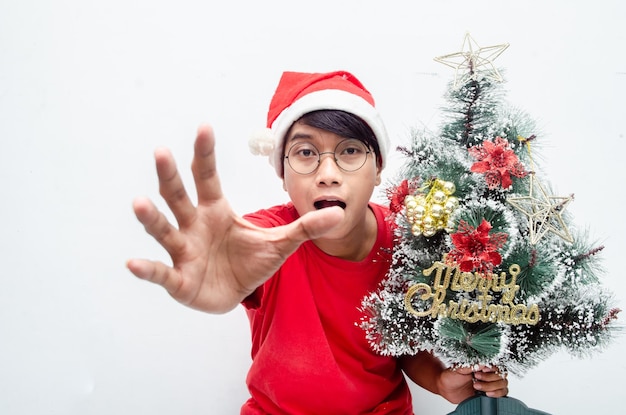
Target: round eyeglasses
{"points": [[350, 155]]}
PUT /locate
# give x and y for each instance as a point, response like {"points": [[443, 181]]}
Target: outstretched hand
{"points": [[218, 258]]}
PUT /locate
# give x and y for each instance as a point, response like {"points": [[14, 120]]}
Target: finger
{"points": [[157, 225], [155, 272], [464, 370], [498, 393], [172, 189], [488, 369], [492, 389], [204, 166], [315, 224], [489, 376], [492, 384]]}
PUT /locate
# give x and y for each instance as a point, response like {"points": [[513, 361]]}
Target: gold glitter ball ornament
{"points": [[429, 211]]}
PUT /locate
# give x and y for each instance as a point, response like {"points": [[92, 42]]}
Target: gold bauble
{"points": [[416, 230], [419, 211], [410, 202], [451, 204], [428, 222], [448, 188], [439, 197], [436, 211]]}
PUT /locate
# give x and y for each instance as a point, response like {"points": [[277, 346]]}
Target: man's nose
{"points": [[328, 170]]}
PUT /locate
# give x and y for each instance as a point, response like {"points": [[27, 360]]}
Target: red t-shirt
{"points": [[309, 355]]}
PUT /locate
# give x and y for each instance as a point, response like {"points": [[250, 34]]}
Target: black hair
{"points": [[343, 124]]}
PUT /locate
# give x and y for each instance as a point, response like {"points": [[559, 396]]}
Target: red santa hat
{"points": [[300, 93]]}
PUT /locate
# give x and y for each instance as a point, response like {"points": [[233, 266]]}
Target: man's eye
{"points": [[352, 151], [304, 152], [350, 148]]}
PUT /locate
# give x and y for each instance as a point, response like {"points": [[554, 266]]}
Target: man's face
{"points": [[329, 185]]}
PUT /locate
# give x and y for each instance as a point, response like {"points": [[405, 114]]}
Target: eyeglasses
{"points": [[350, 155]]}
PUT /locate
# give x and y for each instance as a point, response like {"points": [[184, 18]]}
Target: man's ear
{"points": [[379, 171]]}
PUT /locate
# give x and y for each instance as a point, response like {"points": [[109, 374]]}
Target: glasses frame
{"points": [[368, 151]]}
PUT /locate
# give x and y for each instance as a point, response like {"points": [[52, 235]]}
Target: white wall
{"points": [[88, 89]]}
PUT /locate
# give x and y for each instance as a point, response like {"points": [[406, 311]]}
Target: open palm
{"points": [[218, 258]]}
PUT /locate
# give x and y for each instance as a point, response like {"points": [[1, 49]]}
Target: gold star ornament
{"points": [[473, 61], [544, 212]]}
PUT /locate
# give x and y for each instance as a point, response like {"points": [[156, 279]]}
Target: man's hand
{"points": [[455, 385], [218, 258]]}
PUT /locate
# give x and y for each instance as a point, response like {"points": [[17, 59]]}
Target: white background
{"points": [[88, 89]]}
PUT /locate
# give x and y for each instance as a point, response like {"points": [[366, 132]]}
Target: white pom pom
{"points": [[262, 142]]}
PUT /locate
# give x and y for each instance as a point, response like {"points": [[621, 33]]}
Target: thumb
{"points": [[315, 224]]}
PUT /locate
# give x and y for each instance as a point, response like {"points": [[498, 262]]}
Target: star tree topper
{"points": [[544, 212], [468, 62]]}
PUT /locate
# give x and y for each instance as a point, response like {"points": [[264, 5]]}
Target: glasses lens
{"points": [[351, 154], [303, 158]]}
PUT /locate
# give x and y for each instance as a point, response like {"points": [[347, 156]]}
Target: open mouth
{"points": [[321, 204]]}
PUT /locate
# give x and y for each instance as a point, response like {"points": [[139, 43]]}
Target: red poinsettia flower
{"points": [[475, 249], [396, 195], [498, 162]]}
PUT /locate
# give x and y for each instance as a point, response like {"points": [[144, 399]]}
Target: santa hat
{"points": [[300, 93]]}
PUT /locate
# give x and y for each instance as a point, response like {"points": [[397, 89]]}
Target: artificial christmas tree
{"points": [[488, 268]]}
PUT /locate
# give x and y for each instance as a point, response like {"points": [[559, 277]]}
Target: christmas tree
{"points": [[488, 267]]}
